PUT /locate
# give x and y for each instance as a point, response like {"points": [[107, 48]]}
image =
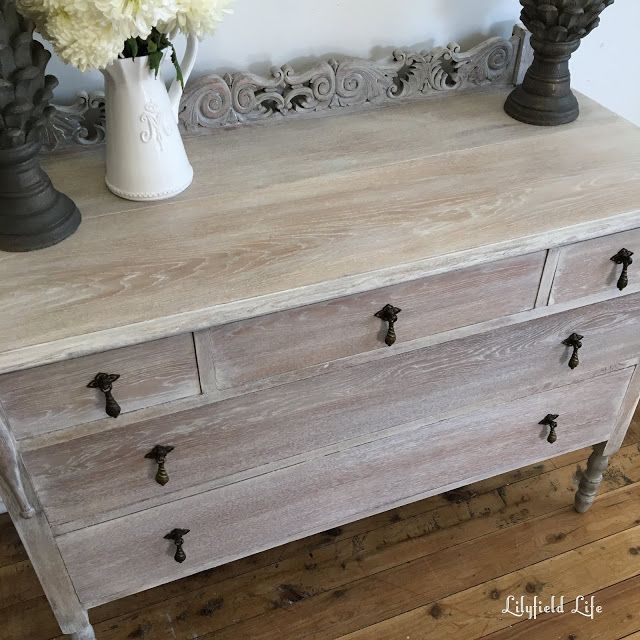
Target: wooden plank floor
{"points": [[439, 569]]}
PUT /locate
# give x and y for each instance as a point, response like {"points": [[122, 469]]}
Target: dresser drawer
{"points": [[586, 268], [103, 475], [291, 340], [291, 503], [55, 396]]}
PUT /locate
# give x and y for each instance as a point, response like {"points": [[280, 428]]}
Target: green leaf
{"points": [[176, 64], [131, 48], [155, 59]]}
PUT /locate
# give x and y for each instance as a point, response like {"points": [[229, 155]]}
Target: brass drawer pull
{"points": [[624, 258], [177, 536], [104, 382], [574, 341], [550, 421], [389, 314], [159, 454]]}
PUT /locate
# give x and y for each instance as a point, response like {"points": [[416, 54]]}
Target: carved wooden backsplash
{"points": [[214, 101]]}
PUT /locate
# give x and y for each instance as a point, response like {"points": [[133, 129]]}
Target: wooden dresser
{"points": [[341, 316]]}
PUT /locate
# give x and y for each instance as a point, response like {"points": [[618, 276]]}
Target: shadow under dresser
{"points": [[283, 350]]}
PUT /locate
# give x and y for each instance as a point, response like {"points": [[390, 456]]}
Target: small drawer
{"points": [[269, 510], [587, 268], [292, 340], [56, 396], [105, 475]]}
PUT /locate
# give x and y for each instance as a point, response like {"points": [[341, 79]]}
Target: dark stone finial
{"points": [[33, 215], [557, 27]]}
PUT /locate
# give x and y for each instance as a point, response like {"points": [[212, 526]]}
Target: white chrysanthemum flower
{"points": [[91, 33], [136, 17], [86, 41], [199, 17]]}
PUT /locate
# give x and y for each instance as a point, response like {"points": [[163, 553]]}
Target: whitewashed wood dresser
{"points": [[343, 315]]}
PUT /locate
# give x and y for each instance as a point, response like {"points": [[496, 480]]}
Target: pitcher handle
{"points": [[187, 64]]}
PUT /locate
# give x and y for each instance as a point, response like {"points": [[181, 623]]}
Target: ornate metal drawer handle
{"points": [[550, 421], [104, 382], [624, 258], [389, 314], [159, 454], [177, 536], [574, 341]]}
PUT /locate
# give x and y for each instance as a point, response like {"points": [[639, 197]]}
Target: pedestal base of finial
{"points": [[541, 111], [33, 215], [545, 98]]}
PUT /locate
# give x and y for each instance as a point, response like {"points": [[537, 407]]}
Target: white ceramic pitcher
{"points": [[146, 159]]}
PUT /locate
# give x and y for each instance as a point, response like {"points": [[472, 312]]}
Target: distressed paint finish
{"points": [[282, 342], [10, 472], [261, 432], [277, 438], [586, 268], [323, 227], [247, 517], [48, 398]]}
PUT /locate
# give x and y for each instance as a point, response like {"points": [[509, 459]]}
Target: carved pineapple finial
{"points": [[562, 20], [25, 90]]}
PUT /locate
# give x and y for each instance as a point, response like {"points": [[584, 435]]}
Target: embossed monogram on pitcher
{"points": [[156, 125]]}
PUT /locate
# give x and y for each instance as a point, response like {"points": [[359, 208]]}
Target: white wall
{"points": [[262, 33], [607, 66]]}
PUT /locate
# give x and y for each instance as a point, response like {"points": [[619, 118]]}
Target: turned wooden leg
{"points": [[591, 478], [87, 633]]}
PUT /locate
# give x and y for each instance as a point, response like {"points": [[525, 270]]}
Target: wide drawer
{"points": [[269, 510], [586, 268], [292, 340], [104, 475], [55, 396]]}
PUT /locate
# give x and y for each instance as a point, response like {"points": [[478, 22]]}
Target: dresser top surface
{"points": [[302, 211]]}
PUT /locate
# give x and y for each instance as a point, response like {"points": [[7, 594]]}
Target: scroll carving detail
{"points": [[215, 101], [81, 122], [218, 101]]}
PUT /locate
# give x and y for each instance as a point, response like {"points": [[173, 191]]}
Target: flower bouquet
{"points": [[128, 40]]}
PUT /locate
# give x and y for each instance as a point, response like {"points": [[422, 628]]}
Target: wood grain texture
{"points": [[338, 144], [269, 510], [55, 396], [586, 268], [202, 340], [10, 469], [471, 614], [254, 434], [351, 556], [35, 534], [548, 276], [625, 417], [619, 602], [206, 365], [290, 340], [327, 233], [526, 507], [388, 574]]}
